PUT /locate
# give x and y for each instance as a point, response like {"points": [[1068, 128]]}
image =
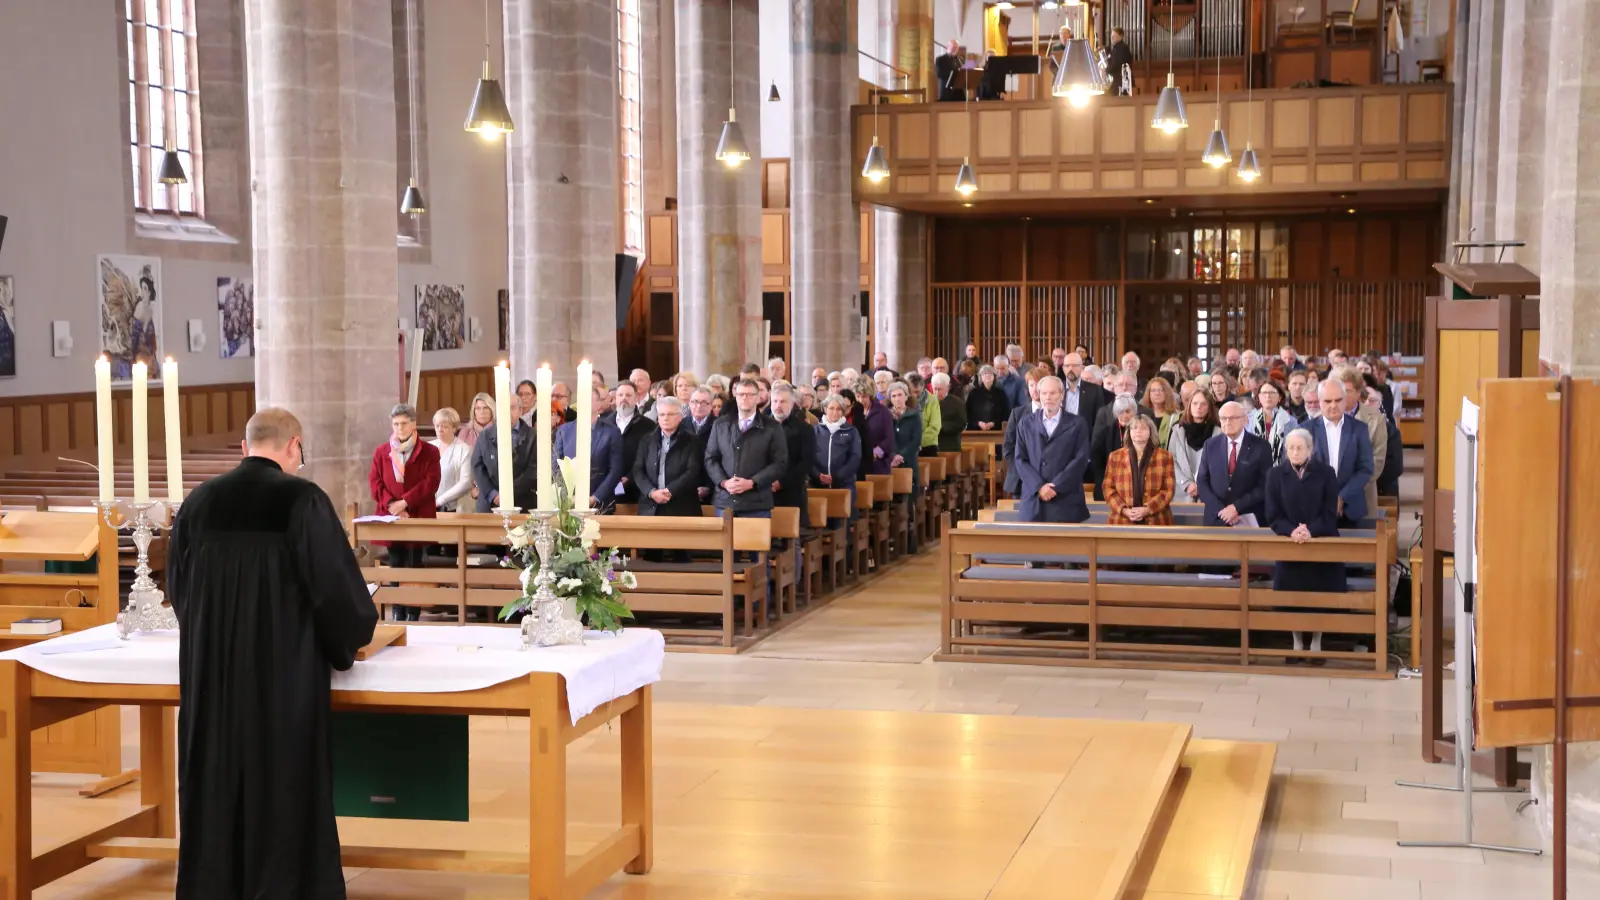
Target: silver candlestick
{"points": [[547, 622], [146, 609]]}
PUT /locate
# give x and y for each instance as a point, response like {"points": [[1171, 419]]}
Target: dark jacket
{"points": [[685, 473], [1394, 463], [801, 446], [605, 459], [952, 421], [1059, 460], [703, 430], [1246, 489], [879, 435], [486, 467], [1091, 399], [1008, 448], [1117, 56], [1355, 461], [987, 405], [838, 454], [1293, 501], [760, 454], [1016, 390], [639, 429], [907, 442], [1103, 443], [947, 69]]}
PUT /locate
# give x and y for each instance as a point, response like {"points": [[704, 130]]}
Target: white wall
{"points": [[65, 186], [777, 64]]}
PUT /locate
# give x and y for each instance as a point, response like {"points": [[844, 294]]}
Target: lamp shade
{"points": [[1079, 76], [1249, 166], [489, 117], [1170, 115], [732, 151], [172, 169], [772, 93], [877, 167], [966, 180], [412, 204], [1217, 154]]}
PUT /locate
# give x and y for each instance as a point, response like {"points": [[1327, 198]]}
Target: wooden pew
{"points": [[816, 554], [992, 609], [847, 542], [902, 511], [785, 565], [886, 526]]}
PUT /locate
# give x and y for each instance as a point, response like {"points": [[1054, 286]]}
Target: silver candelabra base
{"points": [[146, 609], [551, 620]]}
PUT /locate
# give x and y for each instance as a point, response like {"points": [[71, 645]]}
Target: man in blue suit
{"points": [[605, 457], [1051, 454], [1342, 442], [1233, 471]]}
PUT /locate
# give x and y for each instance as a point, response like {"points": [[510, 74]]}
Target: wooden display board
{"points": [[90, 744], [1517, 564]]}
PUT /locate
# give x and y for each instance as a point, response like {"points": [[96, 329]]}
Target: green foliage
{"points": [[593, 579]]}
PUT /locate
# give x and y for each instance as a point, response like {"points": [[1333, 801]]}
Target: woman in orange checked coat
{"points": [[1139, 481]]}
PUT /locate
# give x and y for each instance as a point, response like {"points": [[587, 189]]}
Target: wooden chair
{"points": [[956, 496], [869, 541], [785, 567], [1342, 18], [902, 509], [814, 550], [883, 538], [937, 487]]}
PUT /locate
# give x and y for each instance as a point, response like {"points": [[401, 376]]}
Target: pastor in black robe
{"points": [[269, 600]]}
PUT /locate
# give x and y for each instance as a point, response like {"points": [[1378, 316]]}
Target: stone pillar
{"points": [[1519, 200], [561, 173], [719, 208], [322, 150], [900, 239], [1485, 136], [824, 222]]}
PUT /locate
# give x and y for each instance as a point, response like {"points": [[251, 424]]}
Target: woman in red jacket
{"points": [[404, 478]]}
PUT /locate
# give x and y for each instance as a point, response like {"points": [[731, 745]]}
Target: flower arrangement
{"points": [[589, 580]]}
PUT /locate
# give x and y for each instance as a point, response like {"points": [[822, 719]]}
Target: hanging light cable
{"points": [[966, 179], [1249, 167], [411, 203], [877, 166], [732, 151], [488, 117], [1078, 76], [1170, 116], [1217, 154]]}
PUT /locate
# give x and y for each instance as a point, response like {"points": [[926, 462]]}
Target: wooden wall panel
{"points": [[1464, 358], [994, 134], [1380, 171], [911, 136], [1291, 124], [1377, 249], [1201, 116], [1380, 120], [1033, 181], [1286, 173], [1336, 121], [1335, 173], [1076, 128], [1415, 251], [1350, 66], [1344, 251], [1425, 118], [1305, 248], [1034, 127], [663, 249], [774, 234], [58, 426], [775, 186], [1117, 130], [1246, 122], [953, 134], [1083, 181], [1290, 69]]}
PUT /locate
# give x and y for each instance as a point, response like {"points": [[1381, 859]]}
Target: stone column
{"points": [[561, 173], [900, 239], [824, 222], [719, 208], [1519, 200], [1485, 136], [322, 150]]}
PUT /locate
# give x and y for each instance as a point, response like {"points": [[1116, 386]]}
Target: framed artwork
{"points": [[441, 316], [130, 313], [503, 304], [8, 327], [236, 317]]}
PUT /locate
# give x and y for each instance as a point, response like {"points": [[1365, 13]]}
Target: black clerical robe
{"points": [[270, 600]]}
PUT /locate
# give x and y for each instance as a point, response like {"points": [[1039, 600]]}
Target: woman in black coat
{"points": [[1302, 505], [987, 406]]}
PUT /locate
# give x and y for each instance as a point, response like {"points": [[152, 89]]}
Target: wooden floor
{"points": [[788, 803]]}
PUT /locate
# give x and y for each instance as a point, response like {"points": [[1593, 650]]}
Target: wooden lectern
{"points": [[1494, 334]]}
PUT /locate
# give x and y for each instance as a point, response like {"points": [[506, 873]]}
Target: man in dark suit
{"points": [[670, 466], [1125, 384], [698, 419], [1052, 453], [1342, 442], [1008, 439], [745, 455], [800, 443], [1079, 397], [1117, 56], [1233, 471], [635, 429], [486, 464], [605, 457], [947, 68]]}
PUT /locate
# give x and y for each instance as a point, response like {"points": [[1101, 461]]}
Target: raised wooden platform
{"points": [[782, 803]]}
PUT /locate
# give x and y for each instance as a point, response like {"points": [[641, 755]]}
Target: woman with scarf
{"points": [[1139, 482], [1302, 505], [1269, 420], [838, 456], [1195, 426], [481, 418], [907, 443], [404, 479], [877, 430]]}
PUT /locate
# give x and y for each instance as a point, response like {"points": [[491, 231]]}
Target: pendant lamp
{"points": [[411, 203], [772, 92], [1249, 167], [1217, 154], [489, 116], [877, 165], [1078, 77], [732, 151], [172, 169], [966, 179], [1170, 115]]}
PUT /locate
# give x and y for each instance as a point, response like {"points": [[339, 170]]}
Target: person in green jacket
{"points": [[928, 404]]}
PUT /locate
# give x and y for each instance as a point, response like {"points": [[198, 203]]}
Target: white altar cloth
{"points": [[436, 659]]}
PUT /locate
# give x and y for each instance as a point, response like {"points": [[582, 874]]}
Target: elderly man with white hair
{"points": [[952, 414], [1232, 479], [1051, 456], [1342, 442]]}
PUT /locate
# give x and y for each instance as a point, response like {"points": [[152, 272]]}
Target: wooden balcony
{"points": [[1378, 143]]}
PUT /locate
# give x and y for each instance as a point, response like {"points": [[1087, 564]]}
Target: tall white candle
{"points": [[502, 435], [104, 438], [169, 406], [584, 390], [141, 432], [544, 423]]}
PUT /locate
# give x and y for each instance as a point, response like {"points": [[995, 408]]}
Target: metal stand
{"points": [[1466, 531], [547, 622], [146, 609]]}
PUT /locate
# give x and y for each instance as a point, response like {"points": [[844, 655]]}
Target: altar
{"points": [[566, 692]]}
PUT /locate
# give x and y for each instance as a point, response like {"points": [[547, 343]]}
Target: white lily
{"points": [[590, 532], [569, 471]]}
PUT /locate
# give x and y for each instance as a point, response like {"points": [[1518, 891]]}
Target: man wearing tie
{"points": [[747, 452], [699, 419], [1342, 442], [1052, 454], [1232, 480]]}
